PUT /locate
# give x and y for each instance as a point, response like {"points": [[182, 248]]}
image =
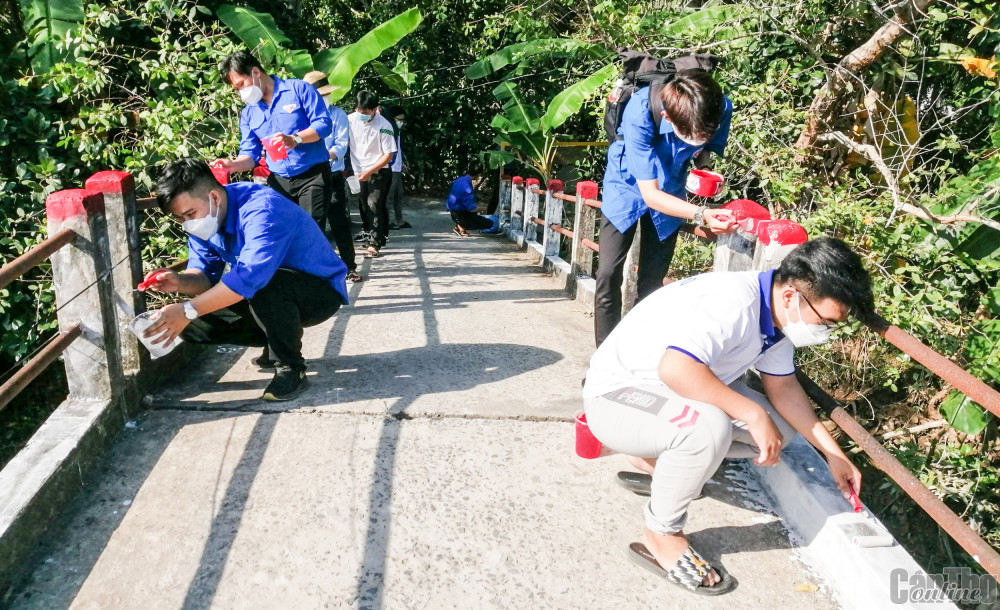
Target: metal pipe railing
{"points": [[34, 367], [145, 203], [562, 230], [20, 265], [950, 522]]}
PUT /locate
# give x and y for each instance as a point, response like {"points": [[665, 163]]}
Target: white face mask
{"points": [[399, 124], [251, 94], [690, 142], [802, 334], [206, 226]]}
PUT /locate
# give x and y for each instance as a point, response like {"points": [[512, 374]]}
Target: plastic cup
{"points": [[143, 321], [221, 174], [354, 184], [587, 445], [704, 183], [275, 147]]}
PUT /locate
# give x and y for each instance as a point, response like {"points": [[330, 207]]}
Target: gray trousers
{"points": [[396, 196], [688, 438]]}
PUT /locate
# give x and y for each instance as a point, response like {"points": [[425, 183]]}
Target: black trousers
{"points": [[310, 190], [274, 317], [339, 220], [470, 221], [654, 259], [375, 196]]}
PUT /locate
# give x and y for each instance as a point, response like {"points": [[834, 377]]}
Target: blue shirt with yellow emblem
{"points": [[295, 105], [641, 156], [264, 231]]}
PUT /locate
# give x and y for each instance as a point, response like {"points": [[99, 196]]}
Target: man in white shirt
{"points": [[373, 145], [665, 387]]}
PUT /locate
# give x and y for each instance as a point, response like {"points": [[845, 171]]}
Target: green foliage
{"points": [[516, 53], [47, 24], [398, 78], [570, 100], [369, 47], [257, 30]]}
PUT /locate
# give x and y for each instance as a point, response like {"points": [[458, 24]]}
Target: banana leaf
{"points": [[568, 102], [399, 78], [257, 30], [48, 23], [553, 47], [369, 47], [706, 21], [326, 59]]}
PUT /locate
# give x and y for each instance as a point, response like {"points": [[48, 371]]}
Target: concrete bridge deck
{"points": [[429, 465]]}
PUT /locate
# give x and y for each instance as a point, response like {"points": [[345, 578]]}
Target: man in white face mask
{"points": [[283, 275], [666, 389], [286, 119]]}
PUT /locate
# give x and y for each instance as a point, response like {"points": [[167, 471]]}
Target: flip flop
{"points": [[371, 253], [639, 483], [688, 573]]}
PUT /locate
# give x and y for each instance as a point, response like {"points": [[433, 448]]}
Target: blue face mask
{"points": [[365, 117]]}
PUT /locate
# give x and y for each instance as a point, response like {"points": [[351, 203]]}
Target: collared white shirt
{"points": [[721, 319], [369, 141]]}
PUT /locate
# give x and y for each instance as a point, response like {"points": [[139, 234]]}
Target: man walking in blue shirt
{"points": [[336, 145], [283, 275], [288, 113]]}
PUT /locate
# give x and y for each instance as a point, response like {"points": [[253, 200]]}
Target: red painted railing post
{"points": [[530, 209], [84, 292], [585, 219], [516, 207], [118, 189], [503, 205]]}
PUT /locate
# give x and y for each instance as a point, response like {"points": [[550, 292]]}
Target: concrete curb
{"points": [[580, 286], [814, 510]]}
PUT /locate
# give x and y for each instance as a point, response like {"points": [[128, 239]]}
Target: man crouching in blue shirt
{"points": [[283, 275]]}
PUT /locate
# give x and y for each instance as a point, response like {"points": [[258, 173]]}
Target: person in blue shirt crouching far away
{"points": [[283, 274], [461, 203], [644, 184]]}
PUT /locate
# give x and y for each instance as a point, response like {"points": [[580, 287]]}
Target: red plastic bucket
{"points": [[587, 445], [275, 147], [704, 183]]}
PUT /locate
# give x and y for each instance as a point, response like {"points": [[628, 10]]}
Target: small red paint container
{"points": [[221, 174], [587, 445], [704, 183], [275, 147]]}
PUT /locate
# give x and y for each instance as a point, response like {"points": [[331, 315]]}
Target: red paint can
{"points": [[704, 183]]}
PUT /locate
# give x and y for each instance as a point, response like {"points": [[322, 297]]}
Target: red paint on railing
{"points": [[111, 182], [532, 182], [781, 232], [587, 189], [747, 208], [70, 203], [556, 186], [517, 181]]}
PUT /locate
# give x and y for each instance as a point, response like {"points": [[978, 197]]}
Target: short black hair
{"points": [[366, 100], [693, 102], [240, 62], [185, 175], [828, 268], [475, 168]]}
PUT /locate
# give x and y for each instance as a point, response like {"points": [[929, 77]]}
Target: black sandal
{"points": [[354, 276], [371, 252], [688, 573]]}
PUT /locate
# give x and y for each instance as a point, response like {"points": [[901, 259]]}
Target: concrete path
{"points": [[429, 465]]}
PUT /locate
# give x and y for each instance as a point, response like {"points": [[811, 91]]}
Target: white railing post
{"points": [[775, 239], [516, 207], [630, 283], [734, 252], [503, 206], [553, 216], [583, 228], [530, 209]]}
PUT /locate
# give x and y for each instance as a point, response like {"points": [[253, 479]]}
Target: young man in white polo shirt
{"points": [[665, 387], [373, 144]]}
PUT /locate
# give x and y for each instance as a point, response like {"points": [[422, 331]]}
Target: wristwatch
{"points": [[189, 311], [298, 139], [699, 216]]}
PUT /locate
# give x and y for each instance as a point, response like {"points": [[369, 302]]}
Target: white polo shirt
{"points": [[721, 319], [369, 140]]}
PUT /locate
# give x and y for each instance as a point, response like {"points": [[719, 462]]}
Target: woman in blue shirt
{"points": [[644, 183]]}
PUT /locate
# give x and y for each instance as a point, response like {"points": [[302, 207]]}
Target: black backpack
{"points": [[643, 70]]}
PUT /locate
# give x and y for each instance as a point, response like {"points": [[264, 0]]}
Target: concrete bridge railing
{"points": [[94, 248]]}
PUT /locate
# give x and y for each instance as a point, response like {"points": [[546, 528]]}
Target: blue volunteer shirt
{"points": [[640, 156], [295, 105], [768, 333], [263, 232], [339, 137], [462, 195]]}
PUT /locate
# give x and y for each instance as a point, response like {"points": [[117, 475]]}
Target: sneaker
{"points": [[287, 384], [363, 236]]}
